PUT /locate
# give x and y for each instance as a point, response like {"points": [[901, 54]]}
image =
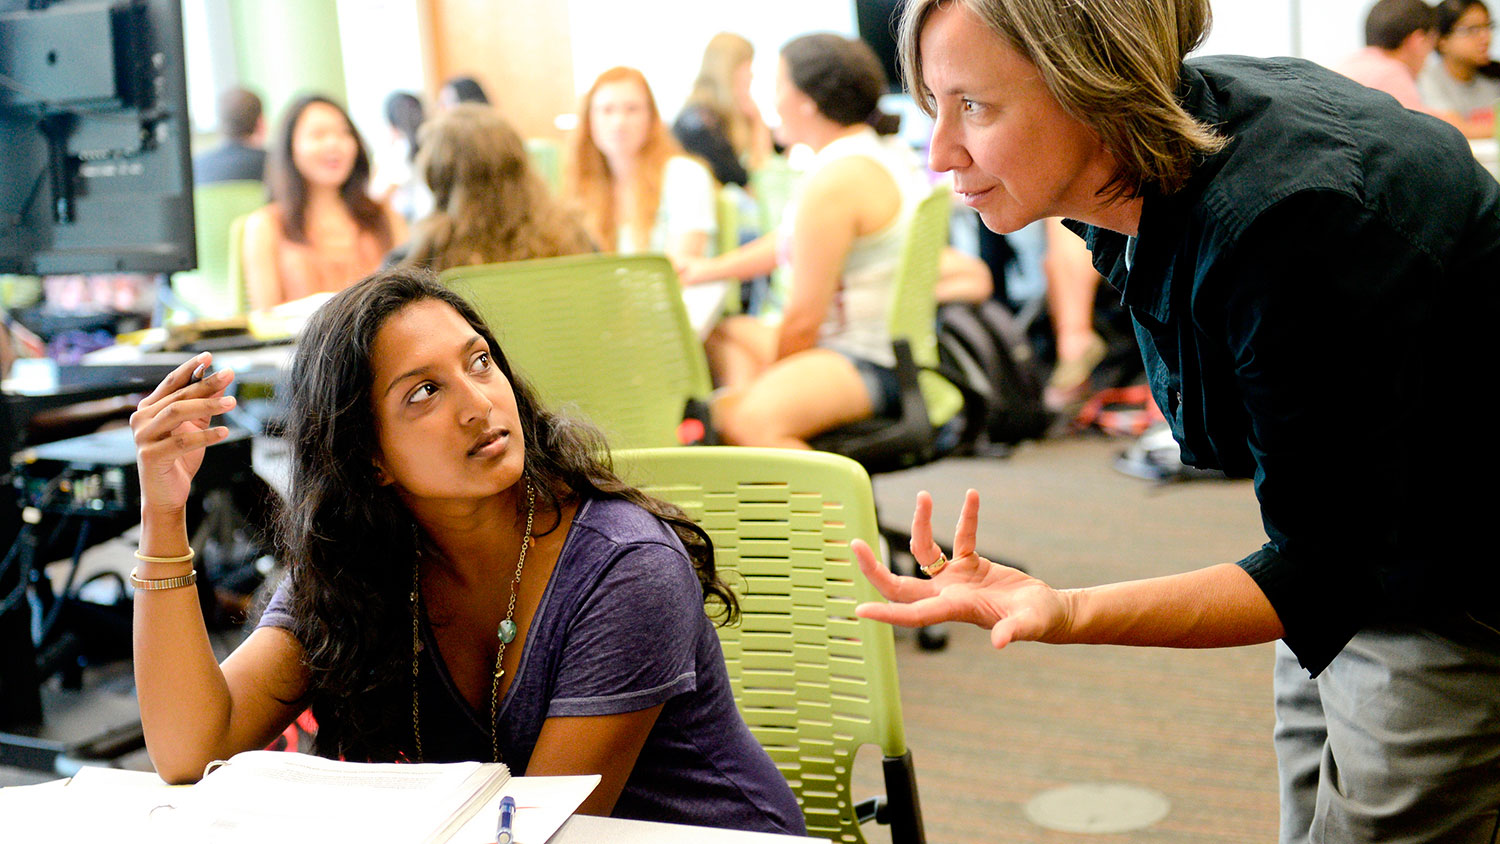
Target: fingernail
{"points": [[226, 401]]}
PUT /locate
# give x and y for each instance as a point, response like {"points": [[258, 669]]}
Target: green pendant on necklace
{"points": [[507, 631]]}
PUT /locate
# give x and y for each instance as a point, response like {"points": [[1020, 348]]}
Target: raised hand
{"points": [[172, 428], [1012, 604]]}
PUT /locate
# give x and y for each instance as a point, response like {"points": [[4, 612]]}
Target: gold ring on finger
{"points": [[936, 565]]}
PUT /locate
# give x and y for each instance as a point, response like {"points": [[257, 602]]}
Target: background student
{"points": [[322, 231]]}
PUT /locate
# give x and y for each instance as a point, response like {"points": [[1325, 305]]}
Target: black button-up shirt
{"points": [[1316, 310]]}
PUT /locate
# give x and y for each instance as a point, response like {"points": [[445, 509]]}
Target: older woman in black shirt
{"points": [[1310, 269]]}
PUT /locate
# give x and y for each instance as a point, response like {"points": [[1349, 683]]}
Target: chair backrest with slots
{"points": [[607, 334], [914, 304], [813, 682]]}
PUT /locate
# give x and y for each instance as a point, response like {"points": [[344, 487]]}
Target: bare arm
{"points": [[607, 745], [1218, 606], [686, 246], [193, 712], [756, 258], [263, 284]]}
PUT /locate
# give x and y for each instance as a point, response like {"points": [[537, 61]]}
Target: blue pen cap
{"points": [[503, 833]]}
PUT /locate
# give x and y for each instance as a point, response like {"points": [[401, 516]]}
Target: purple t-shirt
{"points": [[620, 628]]}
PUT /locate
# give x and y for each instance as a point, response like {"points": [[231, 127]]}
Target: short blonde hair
{"points": [[1114, 65]]}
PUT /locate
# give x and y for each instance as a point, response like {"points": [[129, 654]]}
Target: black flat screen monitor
{"points": [[96, 172], [877, 27]]}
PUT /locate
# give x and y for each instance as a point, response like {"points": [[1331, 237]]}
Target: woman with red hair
{"points": [[638, 192]]}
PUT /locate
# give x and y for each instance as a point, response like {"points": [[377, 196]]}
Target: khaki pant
{"points": [[1397, 741]]}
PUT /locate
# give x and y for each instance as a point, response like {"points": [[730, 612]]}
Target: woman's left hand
{"points": [[1012, 604]]}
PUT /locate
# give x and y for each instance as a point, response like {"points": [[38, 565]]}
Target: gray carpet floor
{"points": [[991, 732]]}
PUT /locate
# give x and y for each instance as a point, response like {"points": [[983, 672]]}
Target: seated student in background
{"points": [[241, 154], [1399, 37], [322, 230], [829, 360], [468, 580], [1462, 77], [488, 204], [395, 181], [638, 192], [720, 123]]}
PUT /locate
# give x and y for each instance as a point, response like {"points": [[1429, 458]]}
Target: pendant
{"points": [[507, 631]]}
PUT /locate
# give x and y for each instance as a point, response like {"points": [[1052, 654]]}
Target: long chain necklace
{"points": [[506, 633]]}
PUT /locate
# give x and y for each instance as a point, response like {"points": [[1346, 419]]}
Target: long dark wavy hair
{"points": [[351, 542], [289, 188]]}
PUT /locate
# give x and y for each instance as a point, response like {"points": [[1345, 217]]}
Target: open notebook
{"points": [[263, 796]]}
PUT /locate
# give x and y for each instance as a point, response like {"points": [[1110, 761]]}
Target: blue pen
{"points": [[503, 834]]}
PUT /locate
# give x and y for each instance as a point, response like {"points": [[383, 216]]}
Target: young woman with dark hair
{"points": [[322, 230], [395, 181], [468, 580], [828, 361], [1461, 76]]}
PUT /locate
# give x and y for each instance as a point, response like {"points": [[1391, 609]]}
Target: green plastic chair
{"points": [[914, 309], [813, 682], [212, 289], [608, 334], [237, 261], [928, 400], [727, 212]]}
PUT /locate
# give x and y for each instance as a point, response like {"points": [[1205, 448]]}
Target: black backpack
{"points": [[985, 351]]}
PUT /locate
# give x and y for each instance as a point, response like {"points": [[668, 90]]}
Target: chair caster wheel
{"points": [[933, 637]]}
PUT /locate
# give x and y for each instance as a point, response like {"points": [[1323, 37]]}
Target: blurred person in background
{"points": [[828, 360], [638, 192], [489, 205], [241, 154], [395, 181], [720, 123], [322, 230], [1462, 77]]}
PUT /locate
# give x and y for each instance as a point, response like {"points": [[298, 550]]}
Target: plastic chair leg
{"points": [[903, 807]]}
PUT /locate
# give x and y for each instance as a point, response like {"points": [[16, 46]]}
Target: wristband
{"points": [[185, 558], [163, 583]]}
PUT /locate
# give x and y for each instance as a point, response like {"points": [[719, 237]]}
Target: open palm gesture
{"points": [[1014, 605]]}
